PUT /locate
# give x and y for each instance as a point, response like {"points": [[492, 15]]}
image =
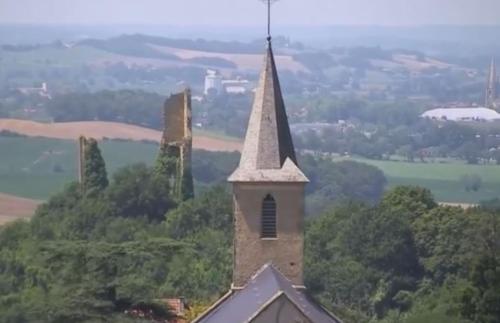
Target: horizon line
{"points": [[80, 24]]}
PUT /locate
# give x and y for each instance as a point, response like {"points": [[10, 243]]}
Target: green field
{"points": [[48, 56], [215, 134], [444, 179], [39, 167], [32, 67]]}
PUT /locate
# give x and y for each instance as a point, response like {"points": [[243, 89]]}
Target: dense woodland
{"points": [[102, 248]]}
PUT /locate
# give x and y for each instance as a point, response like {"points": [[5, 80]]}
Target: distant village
{"points": [[459, 111], [216, 84]]}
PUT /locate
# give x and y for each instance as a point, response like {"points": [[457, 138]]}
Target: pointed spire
{"points": [[493, 72], [268, 154], [492, 85], [268, 143]]}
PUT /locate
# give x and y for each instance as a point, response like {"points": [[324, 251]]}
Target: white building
{"points": [[213, 82], [40, 91], [462, 114], [238, 86], [216, 84]]}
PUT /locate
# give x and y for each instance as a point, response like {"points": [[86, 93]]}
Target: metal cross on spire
{"points": [[269, 4]]}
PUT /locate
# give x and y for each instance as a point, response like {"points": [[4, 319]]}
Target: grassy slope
{"points": [[27, 169], [443, 179], [27, 164], [215, 135], [13, 208], [98, 129], [60, 56]]}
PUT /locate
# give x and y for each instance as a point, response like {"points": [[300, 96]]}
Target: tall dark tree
{"points": [[481, 301], [95, 177], [137, 192], [412, 200]]}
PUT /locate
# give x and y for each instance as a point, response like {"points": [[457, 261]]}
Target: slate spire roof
{"points": [[491, 87], [267, 285], [493, 72], [268, 152]]}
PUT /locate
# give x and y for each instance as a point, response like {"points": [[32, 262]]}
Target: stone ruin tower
{"points": [[174, 159]]}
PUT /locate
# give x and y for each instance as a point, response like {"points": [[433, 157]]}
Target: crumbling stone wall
{"points": [[251, 251], [174, 159]]}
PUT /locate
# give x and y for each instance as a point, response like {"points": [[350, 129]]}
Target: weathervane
{"points": [[269, 4]]}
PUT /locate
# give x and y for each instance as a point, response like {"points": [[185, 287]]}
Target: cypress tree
{"points": [[95, 177]]}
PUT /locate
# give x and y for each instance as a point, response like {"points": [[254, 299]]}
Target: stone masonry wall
{"points": [[286, 251]]}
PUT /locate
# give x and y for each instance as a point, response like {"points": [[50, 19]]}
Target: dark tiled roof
{"points": [[244, 304]]}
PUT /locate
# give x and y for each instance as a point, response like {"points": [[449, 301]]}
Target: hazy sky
{"points": [[251, 12]]}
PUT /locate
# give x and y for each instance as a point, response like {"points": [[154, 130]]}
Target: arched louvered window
{"points": [[269, 218]]}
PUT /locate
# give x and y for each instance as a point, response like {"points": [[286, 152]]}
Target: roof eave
{"points": [[209, 310], [266, 176]]}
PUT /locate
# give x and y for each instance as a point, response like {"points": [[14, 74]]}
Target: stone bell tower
{"points": [[268, 189], [268, 194]]}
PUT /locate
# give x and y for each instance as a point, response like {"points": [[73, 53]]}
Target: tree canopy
{"points": [[95, 178], [399, 258]]}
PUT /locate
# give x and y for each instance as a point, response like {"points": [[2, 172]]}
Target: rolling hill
{"points": [[14, 208], [110, 130]]}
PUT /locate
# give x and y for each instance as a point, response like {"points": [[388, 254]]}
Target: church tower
{"points": [[268, 188], [491, 86], [268, 195]]}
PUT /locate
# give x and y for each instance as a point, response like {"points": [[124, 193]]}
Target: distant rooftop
{"points": [[462, 114]]}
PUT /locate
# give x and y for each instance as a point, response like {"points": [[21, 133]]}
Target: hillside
{"points": [[110, 130], [159, 65], [166, 52], [13, 207], [241, 61], [160, 52]]}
